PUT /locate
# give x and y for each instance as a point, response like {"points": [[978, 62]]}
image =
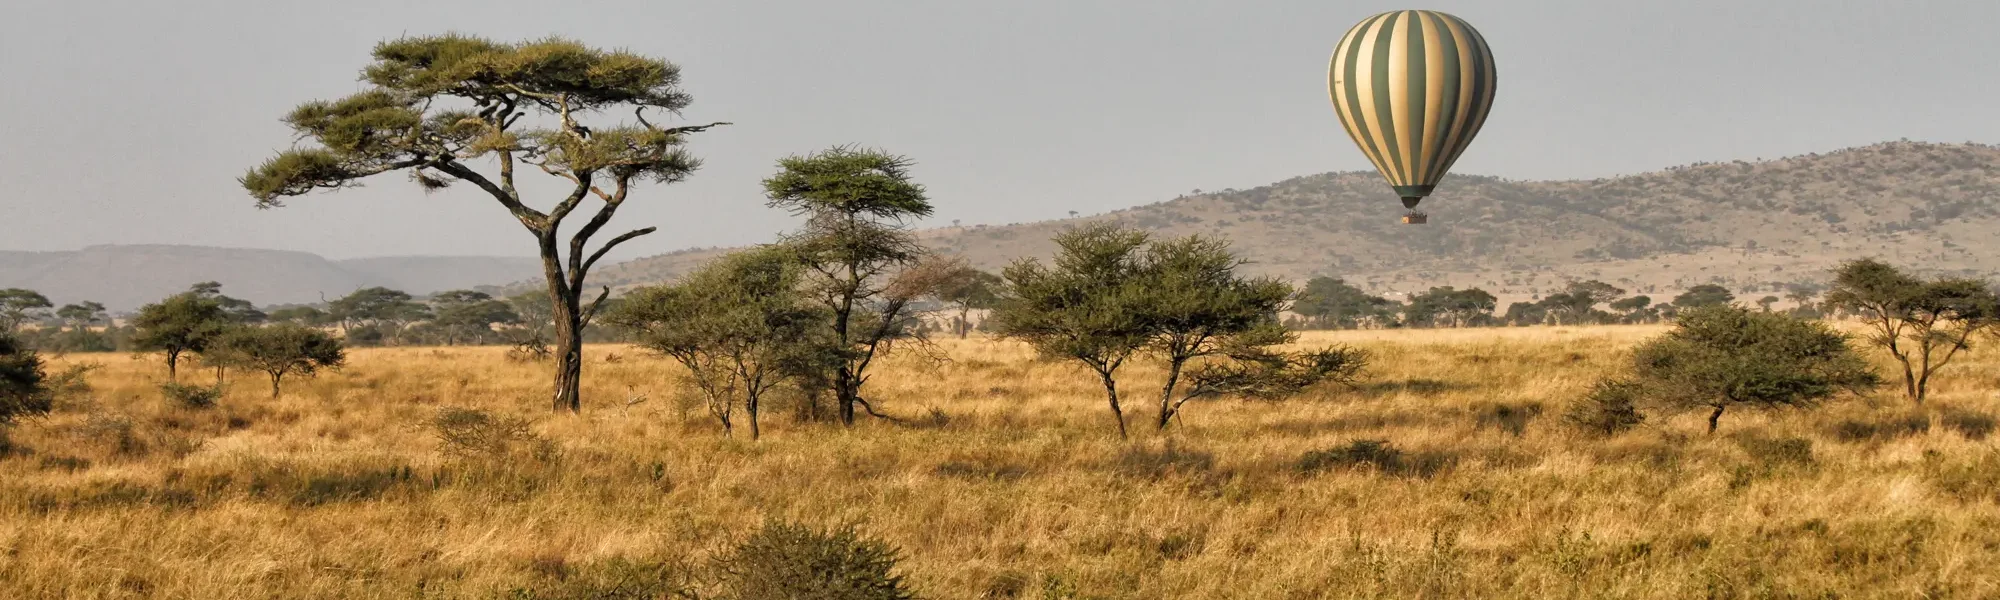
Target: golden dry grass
{"points": [[338, 489]]}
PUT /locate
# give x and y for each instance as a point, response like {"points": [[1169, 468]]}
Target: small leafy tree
{"points": [[861, 260], [81, 315], [1332, 303], [468, 315], [19, 306], [785, 561], [183, 323], [384, 309], [22, 392], [1090, 306], [968, 289], [1578, 301], [1449, 307], [1923, 323], [301, 315], [1196, 304], [739, 324], [1255, 369], [1704, 295], [280, 350], [1636, 309], [1718, 357], [440, 107]]}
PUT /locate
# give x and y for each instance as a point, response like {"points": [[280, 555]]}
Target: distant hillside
{"points": [[1740, 224], [123, 277]]}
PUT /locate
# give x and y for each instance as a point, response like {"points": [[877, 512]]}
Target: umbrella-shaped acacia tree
{"points": [[458, 109]]}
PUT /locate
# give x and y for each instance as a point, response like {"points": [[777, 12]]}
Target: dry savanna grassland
{"points": [[1008, 481]]}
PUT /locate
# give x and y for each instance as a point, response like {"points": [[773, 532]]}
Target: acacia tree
{"points": [[1923, 324], [439, 106], [378, 307], [1090, 306], [22, 377], [186, 322], [280, 350], [739, 324], [81, 315], [1197, 304], [18, 306], [968, 289], [1718, 357], [861, 260]]}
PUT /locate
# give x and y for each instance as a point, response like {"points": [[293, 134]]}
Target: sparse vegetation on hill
{"points": [[1738, 224]]}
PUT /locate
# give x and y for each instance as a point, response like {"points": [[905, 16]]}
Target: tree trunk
{"points": [[274, 385], [1111, 391], [1713, 417], [1167, 392], [1910, 382], [750, 406], [568, 353], [173, 361], [964, 326], [844, 393]]}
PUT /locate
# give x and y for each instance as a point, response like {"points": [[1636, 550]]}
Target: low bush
{"points": [[1610, 408], [785, 561], [1379, 456], [1973, 425], [1882, 427], [191, 396]]}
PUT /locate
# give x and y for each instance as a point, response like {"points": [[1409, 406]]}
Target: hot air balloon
{"points": [[1412, 87]]}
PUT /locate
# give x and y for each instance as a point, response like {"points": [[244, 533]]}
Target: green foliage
{"points": [[740, 325], [1704, 295], [1578, 301], [861, 261], [1723, 356], [190, 321], [784, 561], [22, 389], [1611, 407], [196, 397], [1449, 307], [82, 314], [1923, 324], [1090, 306], [1332, 303], [18, 306], [301, 315], [469, 316], [969, 289], [280, 350]]}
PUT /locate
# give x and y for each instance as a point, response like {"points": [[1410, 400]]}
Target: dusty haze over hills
{"points": [[125, 277], [1741, 224], [128, 122]]}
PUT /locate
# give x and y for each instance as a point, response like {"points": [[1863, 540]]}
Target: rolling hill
{"points": [[1745, 225], [123, 277]]}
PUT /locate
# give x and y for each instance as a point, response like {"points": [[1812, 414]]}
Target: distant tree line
{"points": [[1333, 303]]}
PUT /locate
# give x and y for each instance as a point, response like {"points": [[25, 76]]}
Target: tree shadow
{"points": [[1415, 387]]}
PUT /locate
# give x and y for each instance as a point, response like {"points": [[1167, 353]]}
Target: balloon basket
{"points": [[1416, 218]]}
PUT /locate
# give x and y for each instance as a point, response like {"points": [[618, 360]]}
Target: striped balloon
{"points": [[1412, 87]]}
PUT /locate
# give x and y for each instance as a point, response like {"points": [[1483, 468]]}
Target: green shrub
{"points": [[785, 561], [23, 390], [1610, 408], [1973, 425], [191, 396]]}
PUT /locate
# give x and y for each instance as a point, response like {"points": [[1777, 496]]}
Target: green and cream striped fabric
{"points": [[1412, 87]]}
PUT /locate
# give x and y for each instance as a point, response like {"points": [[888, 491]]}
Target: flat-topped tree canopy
{"points": [[441, 103]]}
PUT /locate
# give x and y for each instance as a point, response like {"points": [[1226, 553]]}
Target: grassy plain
{"points": [[1017, 486]]}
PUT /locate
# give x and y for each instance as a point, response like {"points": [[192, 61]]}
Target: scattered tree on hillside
{"points": [[19, 306], [1924, 324], [1704, 295], [1766, 302], [279, 350], [740, 324], [1718, 357], [1577, 303], [968, 289], [1087, 307], [861, 260], [437, 106]]}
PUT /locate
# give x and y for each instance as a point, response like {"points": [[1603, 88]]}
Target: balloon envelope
{"points": [[1412, 88]]}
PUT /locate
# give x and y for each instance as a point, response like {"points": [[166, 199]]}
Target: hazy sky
{"points": [[128, 122]]}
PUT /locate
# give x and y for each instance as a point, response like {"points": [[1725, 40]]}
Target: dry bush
{"points": [[191, 397], [785, 561], [470, 433]]}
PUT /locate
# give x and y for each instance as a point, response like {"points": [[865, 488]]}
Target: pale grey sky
{"points": [[128, 122]]}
